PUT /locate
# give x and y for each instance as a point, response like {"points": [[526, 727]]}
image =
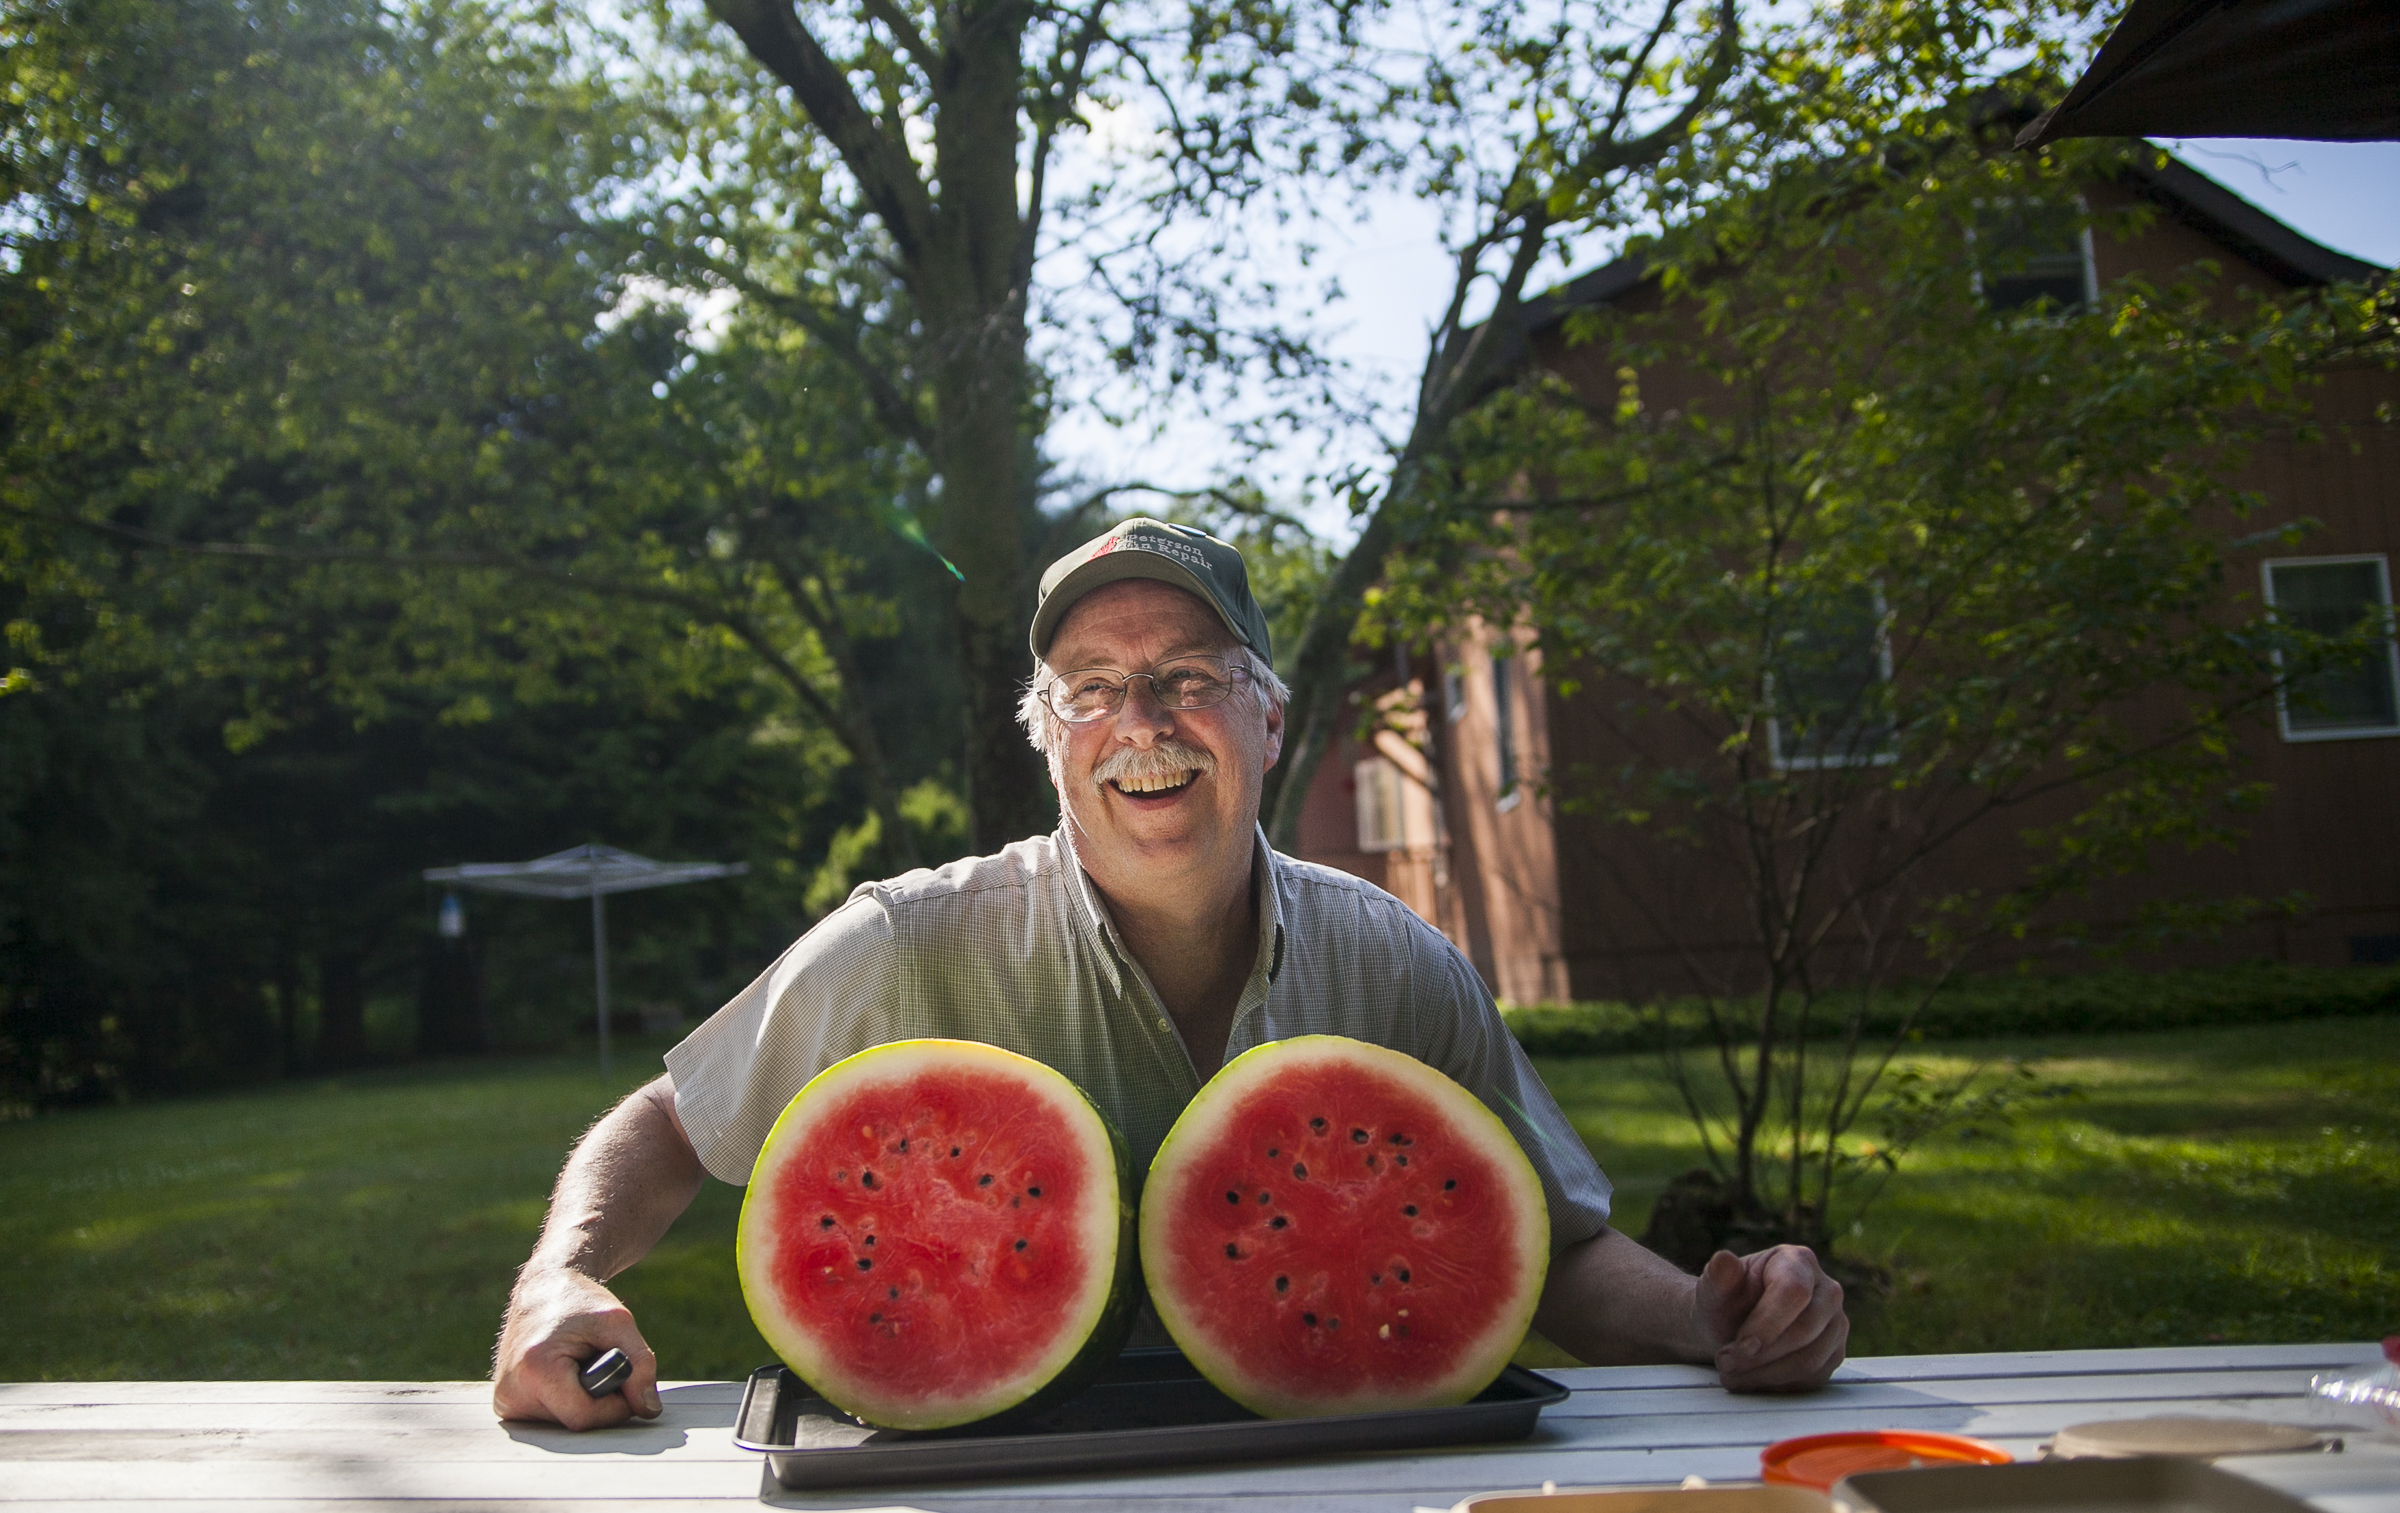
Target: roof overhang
{"points": [[2321, 70]]}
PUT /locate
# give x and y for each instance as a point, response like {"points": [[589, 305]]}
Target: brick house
{"points": [[1445, 809]]}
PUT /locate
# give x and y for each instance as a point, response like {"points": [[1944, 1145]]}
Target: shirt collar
{"points": [[1092, 916]]}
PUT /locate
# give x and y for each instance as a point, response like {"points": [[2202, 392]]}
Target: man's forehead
{"points": [[1161, 618]]}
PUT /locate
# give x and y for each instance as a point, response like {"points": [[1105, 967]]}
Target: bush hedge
{"points": [[1980, 1007]]}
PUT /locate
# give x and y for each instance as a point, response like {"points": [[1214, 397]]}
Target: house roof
{"points": [[2188, 196]]}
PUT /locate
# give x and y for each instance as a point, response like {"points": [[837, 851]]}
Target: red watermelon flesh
{"points": [[1333, 1227], [936, 1231]]}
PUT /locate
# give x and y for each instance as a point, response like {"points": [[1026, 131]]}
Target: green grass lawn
{"points": [[2237, 1184]]}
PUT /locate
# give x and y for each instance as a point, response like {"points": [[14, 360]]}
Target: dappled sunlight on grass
{"points": [[2201, 1185], [2237, 1184]]}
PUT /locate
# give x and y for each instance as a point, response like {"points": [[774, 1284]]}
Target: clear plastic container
{"points": [[2372, 1397]]}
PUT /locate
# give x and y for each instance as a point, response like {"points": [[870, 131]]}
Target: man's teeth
{"points": [[1155, 783]]}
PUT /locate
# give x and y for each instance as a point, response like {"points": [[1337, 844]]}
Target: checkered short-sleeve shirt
{"points": [[1018, 951]]}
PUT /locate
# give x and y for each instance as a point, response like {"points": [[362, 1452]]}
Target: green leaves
{"points": [[1889, 565]]}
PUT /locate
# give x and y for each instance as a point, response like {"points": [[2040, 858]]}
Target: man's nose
{"points": [[1142, 715]]}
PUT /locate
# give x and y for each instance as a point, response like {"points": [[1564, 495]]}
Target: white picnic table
{"points": [[412, 1447]]}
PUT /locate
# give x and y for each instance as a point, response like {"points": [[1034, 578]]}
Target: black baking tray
{"points": [[1149, 1410]]}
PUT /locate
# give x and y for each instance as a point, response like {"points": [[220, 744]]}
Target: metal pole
{"points": [[600, 968]]}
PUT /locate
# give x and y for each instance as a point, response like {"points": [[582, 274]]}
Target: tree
{"points": [[1535, 126], [324, 413], [1867, 563]]}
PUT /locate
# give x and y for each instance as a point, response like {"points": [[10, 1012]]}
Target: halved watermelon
{"points": [[937, 1231], [1333, 1227]]}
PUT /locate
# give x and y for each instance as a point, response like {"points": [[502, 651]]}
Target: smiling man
{"points": [[1153, 937]]}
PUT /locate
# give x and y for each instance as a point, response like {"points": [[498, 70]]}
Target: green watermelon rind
{"points": [[1111, 1324], [1197, 1125]]}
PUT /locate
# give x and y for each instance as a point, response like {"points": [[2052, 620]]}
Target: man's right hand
{"points": [[558, 1320]]}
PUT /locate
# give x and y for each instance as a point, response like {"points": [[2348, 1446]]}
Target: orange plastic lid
{"points": [[1820, 1460]]}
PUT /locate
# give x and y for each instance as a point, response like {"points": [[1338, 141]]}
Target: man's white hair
{"points": [[1048, 732]]}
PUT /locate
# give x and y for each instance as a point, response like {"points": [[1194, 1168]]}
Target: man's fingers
{"points": [[641, 1388], [1785, 1278], [1727, 1291], [1824, 1307], [1804, 1370]]}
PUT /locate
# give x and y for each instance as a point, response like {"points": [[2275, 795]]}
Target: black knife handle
{"points": [[607, 1372]]}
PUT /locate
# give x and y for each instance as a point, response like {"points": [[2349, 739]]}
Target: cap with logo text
{"points": [[1181, 555]]}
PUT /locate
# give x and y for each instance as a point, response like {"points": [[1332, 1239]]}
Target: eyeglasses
{"points": [[1095, 693]]}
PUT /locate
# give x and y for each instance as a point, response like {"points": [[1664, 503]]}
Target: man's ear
{"points": [[1274, 712]]}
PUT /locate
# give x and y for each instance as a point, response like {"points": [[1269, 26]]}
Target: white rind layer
{"points": [[1096, 1226], [1202, 1123]]}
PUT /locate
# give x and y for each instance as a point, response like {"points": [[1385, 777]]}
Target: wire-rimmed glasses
{"points": [[1095, 693]]}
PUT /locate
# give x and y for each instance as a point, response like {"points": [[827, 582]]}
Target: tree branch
{"points": [[875, 155]]}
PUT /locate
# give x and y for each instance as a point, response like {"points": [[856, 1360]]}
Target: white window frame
{"points": [[2391, 647], [1378, 781], [1508, 692], [2083, 243], [1883, 669]]}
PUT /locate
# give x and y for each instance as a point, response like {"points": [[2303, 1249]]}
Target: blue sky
{"points": [[1393, 277]]}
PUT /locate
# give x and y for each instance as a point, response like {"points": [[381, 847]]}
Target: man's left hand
{"points": [[1775, 1319]]}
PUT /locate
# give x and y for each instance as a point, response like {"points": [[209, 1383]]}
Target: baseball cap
{"points": [[1182, 555]]}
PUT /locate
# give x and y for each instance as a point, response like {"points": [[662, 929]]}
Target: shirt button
{"points": [[1165, 1028]]}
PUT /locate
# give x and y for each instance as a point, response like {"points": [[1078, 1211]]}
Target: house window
{"points": [[2030, 252], [1826, 687], [1504, 727], [1454, 695], [1382, 805], [2334, 596]]}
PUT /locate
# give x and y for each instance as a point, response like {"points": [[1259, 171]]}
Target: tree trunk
{"points": [[981, 450], [287, 1006], [341, 1010]]}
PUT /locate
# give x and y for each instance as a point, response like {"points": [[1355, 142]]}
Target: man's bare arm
{"points": [[627, 1180], [1768, 1322]]}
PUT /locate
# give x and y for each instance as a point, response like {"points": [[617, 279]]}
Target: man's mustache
{"points": [[1166, 758]]}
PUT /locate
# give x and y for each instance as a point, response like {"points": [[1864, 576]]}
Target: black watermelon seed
{"points": [[1370, 1162], [1266, 1198], [953, 1150], [1411, 1210], [1233, 1197], [1271, 1155], [1300, 1171], [866, 1179], [984, 1181], [1033, 1192], [1403, 1160], [1317, 1124], [1020, 1245], [1233, 1252], [1403, 1273], [1375, 1279], [1283, 1284], [891, 1292], [1309, 1319], [866, 1263], [870, 1239], [1453, 1182], [874, 1318], [1359, 1135], [1277, 1222], [826, 1222], [1395, 1140], [903, 1145]]}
